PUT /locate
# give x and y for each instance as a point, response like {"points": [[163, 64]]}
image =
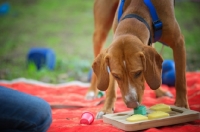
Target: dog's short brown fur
{"points": [[130, 60]]}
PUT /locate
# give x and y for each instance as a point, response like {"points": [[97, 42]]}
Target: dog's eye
{"points": [[116, 76], [137, 74]]}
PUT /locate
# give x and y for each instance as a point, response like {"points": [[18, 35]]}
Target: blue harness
{"points": [[157, 24]]}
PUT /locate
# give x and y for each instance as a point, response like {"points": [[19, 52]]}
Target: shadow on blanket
{"points": [[71, 96]]}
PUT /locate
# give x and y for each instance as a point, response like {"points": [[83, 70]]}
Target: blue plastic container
{"points": [[168, 65], [169, 78], [4, 8], [42, 57], [168, 73]]}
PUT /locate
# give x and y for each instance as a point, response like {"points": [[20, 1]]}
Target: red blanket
{"points": [[72, 97]]}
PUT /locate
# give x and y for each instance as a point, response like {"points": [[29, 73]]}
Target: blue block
{"points": [[42, 57], [4, 8], [169, 78], [168, 73], [168, 65]]}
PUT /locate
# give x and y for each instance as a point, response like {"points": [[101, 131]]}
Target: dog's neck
{"points": [[132, 26]]}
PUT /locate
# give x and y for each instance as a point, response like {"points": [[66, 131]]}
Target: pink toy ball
{"points": [[87, 118]]}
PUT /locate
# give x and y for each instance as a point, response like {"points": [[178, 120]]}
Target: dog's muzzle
{"points": [[132, 104]]}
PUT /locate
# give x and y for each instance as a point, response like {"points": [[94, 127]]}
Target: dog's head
{"points": [[130, 63]]}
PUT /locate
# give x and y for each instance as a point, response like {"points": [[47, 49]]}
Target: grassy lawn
{"points": [[67, 28]]}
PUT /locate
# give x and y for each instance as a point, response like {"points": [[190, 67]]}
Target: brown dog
{"points": [[129, 58]]}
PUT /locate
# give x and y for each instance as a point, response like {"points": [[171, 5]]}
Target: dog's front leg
{"points": [[92, 91], [180, 65], [110, 99], [160, 93]]}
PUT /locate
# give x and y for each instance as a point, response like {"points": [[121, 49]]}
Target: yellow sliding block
{"points": [[157, 115], [137, 117], [161, 107]]}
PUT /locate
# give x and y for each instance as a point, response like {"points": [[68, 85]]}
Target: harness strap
{"points": [[157, 24], [141, 20], [120, 11]]}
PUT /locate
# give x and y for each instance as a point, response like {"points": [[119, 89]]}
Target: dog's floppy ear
{"points": [[152, 63], [100, 69]]}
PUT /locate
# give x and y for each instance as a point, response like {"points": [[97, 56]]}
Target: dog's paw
{"points": [[103, 112], [164, 93], [169, 94], [90, 95], [183, 104], [100, 115]]}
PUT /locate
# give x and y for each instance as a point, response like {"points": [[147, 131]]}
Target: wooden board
{"points": [[177, 115]]}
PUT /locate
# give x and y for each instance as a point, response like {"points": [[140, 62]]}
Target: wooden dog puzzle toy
{"points": [[156, 116]]}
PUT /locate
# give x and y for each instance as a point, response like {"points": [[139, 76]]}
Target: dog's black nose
{"points": [[132, 104]]}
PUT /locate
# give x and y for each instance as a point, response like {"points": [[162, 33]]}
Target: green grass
{"points": [[64, 26], [67, 28]]}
